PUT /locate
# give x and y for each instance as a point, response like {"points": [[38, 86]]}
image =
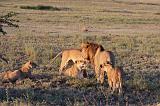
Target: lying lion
{"points": [[114, 76], [77, 70], [24, 72]]}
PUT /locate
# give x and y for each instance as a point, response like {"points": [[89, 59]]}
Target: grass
{"points": [[54, 89], [133, 37]]}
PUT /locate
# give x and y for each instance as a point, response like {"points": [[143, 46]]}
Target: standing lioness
{"points": [[67, 55]]}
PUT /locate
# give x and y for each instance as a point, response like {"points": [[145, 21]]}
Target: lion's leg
{"points": [[114, 87], [120, 88], [110, 84], [63, 64], [101, 76], [97, 74], [63, 61]]}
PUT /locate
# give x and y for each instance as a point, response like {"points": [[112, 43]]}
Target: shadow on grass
{"points": [[69, 91]]}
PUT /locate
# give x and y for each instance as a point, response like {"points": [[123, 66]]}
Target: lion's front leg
{"points": [[97, 74], [101, 76]]}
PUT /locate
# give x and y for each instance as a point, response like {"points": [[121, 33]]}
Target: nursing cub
{"points": [[77, 70]]}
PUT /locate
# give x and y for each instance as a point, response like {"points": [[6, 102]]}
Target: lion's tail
{"points": [[54, 58]]}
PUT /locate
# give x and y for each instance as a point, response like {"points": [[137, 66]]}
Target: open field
{"points": [[131, 29]]}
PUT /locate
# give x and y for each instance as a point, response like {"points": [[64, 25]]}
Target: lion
{"points": [[67, 55], [24, 72], [89, 50], [77, 70], [97, 55], [102, 57], [114, 76]]}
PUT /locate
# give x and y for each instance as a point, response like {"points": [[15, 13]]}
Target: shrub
{"points": [[31, 52], [47, 8]]}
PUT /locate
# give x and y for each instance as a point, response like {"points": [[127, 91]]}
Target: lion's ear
{"points": [[84, 45], [101, 48], [109, 63]]}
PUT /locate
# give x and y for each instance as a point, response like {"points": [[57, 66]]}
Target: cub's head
{"points": [[81, 64], [106, 66], [28, 65]]}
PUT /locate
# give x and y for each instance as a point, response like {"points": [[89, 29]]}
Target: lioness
{"points": [[77, 70], [24, 72], [114, 76], [67, 55], [102, 57]]}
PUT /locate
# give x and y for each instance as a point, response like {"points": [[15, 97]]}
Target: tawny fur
{"points": [[26, 67], [89, 50], [67, 55], [12, 76], [96, 54], [102, 57], [77, 70], [114, 77]]}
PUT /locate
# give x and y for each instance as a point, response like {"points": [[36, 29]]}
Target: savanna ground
{"points": [[131, 29]]}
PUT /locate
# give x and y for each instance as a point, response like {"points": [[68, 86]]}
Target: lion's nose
{"points": [[83, 66]]}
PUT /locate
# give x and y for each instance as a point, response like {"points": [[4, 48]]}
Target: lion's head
{"points": [[28, 65], [89, 50]]}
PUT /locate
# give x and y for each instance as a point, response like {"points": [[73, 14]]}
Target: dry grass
{"points": [[130, 31]]}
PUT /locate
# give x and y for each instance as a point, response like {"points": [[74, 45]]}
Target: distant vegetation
{"points": [[47, 8]]}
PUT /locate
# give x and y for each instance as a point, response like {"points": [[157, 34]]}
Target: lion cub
{"points": [[77, 70], [114, 76], [24, 72]]}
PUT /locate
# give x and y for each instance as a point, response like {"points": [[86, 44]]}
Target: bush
{"points": [[41, 7]]}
